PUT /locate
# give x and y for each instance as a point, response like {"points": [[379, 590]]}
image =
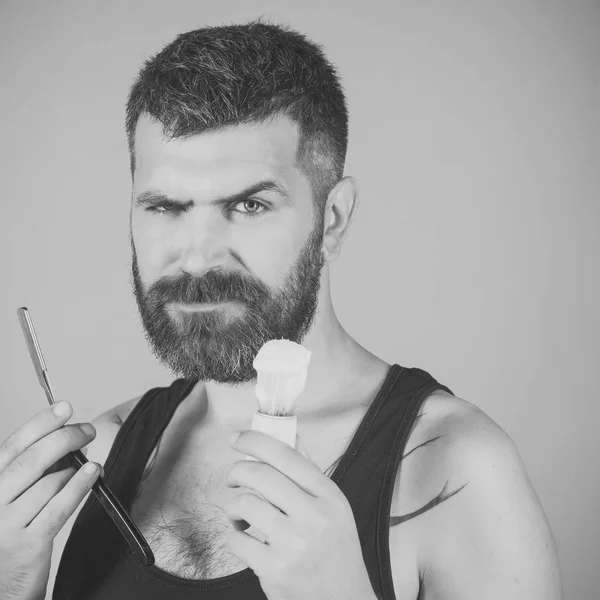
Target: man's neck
{"points": [[335, 364]]}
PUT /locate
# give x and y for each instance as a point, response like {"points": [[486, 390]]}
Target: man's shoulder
{"points": [[468, 499], [107, 426], [458, 425], [449, 434], [117, 415]]}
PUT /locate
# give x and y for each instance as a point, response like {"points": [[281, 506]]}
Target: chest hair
{"points": [[180, 515]]}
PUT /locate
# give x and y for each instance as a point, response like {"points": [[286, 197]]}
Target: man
{"points": [[397, 488]]}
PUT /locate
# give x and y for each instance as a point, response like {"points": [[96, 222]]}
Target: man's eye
{"points": [[162, 208], [252, 206]]}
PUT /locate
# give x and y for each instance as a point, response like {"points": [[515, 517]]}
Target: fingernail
{"points": [[90, 468], [88, 429], [61, 409]]}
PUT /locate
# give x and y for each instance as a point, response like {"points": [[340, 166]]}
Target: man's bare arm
{"points": [[491, 540]]}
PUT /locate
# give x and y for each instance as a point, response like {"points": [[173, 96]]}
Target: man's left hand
{"points": [[311, 549]]}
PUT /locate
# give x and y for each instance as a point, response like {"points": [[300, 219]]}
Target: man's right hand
{"points": [[36, 500]]}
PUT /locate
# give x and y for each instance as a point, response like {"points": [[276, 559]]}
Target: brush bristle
{"points": [[277, 392], [281, 367]]}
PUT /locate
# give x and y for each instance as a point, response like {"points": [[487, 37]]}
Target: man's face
{"points": [[217, 274]]}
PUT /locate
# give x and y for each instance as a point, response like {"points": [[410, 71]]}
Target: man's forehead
{"points": [[249, 145], [216, 163]]}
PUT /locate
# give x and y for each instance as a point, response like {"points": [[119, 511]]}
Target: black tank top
{"points": [[97, 563]]}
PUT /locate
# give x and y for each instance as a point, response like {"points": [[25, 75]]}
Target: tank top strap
{"points": [[367, 472], [95, 546], [139, 435]]}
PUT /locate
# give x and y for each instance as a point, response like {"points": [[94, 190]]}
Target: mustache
{"points": [[213, 287]]}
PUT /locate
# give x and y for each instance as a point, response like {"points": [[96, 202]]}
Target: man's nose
{"points": [[202, 248]]}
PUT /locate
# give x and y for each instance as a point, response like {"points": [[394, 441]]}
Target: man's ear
{"points": [[342, 203]]}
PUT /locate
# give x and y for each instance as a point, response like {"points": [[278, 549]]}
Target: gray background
{"points": [[475, 138]]}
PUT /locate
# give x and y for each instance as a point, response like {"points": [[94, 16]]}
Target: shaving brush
{"points": [[282, 368]]}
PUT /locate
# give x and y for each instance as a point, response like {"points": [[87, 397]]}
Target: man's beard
{"points": [[211, 345]]}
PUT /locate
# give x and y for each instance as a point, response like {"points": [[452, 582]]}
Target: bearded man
{"points": [[397, 488]]}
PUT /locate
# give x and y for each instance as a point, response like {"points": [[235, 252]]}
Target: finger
{"points": [[302, 471], [25, 508], [55, 514], [61, 464], [256, 512], [249, 550], [272, 485], [45, 422], [29, 466]]}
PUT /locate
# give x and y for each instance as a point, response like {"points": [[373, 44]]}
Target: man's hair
{"points": [[217, 77]]}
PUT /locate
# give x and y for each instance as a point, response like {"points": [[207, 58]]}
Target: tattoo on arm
{"points": [[441, 497], [427, 443], [329, 471]]}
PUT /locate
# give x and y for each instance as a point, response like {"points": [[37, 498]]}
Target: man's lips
{"points": [[199, 306], [231, 309]]}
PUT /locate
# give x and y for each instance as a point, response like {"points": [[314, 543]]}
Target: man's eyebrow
{"points": [[151, 197]]}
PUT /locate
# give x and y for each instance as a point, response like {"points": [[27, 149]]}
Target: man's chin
{"points": [[225, 375], [205, 356]]}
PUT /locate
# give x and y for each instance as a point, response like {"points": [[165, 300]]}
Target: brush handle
{"points": [[280, 428]]}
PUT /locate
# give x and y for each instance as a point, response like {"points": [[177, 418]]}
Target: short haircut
{"points": [[217, 77]]}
